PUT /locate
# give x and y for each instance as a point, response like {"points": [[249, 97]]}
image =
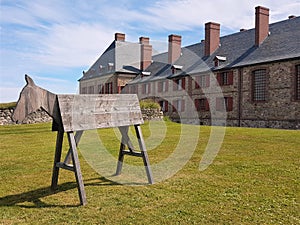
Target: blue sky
{"points": [[54, 41]]}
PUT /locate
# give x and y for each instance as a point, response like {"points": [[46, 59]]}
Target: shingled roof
{"points": [[239, 49], [119, 57]]}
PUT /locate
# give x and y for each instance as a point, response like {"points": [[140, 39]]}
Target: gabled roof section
{"points": [[119, 57]]}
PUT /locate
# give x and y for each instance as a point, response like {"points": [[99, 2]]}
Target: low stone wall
{"points": [[274, 124], [41, 116], [152, 114]]}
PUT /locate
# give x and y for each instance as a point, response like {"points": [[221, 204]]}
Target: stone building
{"points": [[249, 78]]}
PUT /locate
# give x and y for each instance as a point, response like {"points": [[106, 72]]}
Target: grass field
{"points": [[8, 105], [255, 179]]}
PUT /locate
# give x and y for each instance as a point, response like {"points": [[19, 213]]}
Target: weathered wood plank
{"points": [[84, 112]]}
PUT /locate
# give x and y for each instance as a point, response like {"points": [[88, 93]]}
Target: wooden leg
{"points": [[144, 153], [125, 138], [120, 159], [77, 170], [124, 142], [58, 149], [68, 157]]}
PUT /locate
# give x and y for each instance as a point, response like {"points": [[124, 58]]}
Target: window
{"points": [[146, 88], [163, 86], [259, 81], [164, 106], [83, 90], [219, 59], [202, 104], [100, 89], [110, 67], [120, 89], [225, 103], [101, 68], [178, 105], [179, 84], [297, 82], [133, 89], [176, 68], [225, 78], [202, 81], [108, 88], [91, 89]]}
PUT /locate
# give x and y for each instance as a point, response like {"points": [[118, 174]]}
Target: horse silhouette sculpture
{"points": [[72, 114]]}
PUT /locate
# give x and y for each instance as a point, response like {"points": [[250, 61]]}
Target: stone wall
{"points": [[152, 114], [36, 117], [41, 116]]}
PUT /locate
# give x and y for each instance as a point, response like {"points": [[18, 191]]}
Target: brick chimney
{"points": [[146, 52], [261, 24], [119, 37], [212, 38], [174, 50]]}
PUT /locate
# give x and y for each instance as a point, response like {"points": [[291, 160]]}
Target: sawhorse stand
{"points": [[72, 155]]}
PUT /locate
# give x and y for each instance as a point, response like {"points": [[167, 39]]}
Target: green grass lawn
{"points": [[255, 179]]}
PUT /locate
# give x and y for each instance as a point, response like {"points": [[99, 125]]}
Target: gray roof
{"points": [[119, 57], [238, 48]]}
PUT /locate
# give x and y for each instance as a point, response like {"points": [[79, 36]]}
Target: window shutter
{"points": [[229, 103], [197, 104], [206, 105], [143, 89], [149, 88], [207, 83], [167, 85], [160, 84], [219, 78], [166, 106], [174, 105], [196, 81], [182, 105], [175, 85], [110, 88], [183, 83], [230, 77], [106, 88]]}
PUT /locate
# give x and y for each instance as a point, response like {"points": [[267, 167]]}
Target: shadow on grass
{"points": [[36, 195]]}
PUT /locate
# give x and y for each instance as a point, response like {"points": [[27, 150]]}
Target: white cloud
{"points": [[188, 14], [43, 37], [74, 44]]}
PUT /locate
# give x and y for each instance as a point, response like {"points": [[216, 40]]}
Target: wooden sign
{"points": [[73, 114]]}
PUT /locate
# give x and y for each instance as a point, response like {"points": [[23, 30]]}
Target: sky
{"points": [[53, 41]]}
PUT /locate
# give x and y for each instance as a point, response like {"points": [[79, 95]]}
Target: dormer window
{"points": [[176, 68], [101, 68], [146, 74], [219, 59], [110, 67]]}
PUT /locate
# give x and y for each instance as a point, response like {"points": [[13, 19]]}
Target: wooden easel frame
{"points": [[75, 166]]}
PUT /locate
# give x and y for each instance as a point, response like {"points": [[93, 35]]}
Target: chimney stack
{"points": [[146, 53], [119, 37], [212, 38], [174, 50], [261, 24]]}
